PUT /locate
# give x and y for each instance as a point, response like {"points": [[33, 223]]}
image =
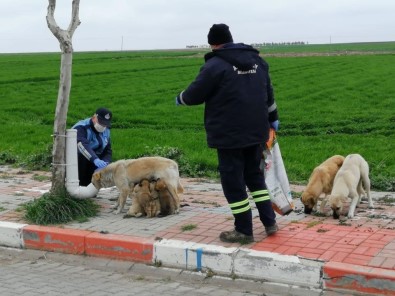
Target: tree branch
{"points": [[64, 36], [51, 22], [75, 20]]}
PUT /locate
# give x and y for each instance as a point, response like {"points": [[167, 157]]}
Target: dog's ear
{"points": [[96, 176], [304, 197]]}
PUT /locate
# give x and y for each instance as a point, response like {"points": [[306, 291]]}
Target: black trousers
{"points": [[85, 170], [239, 168]]}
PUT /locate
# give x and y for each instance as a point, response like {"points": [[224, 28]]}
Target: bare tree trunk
{"points": [[59, 144], [62, 105]]}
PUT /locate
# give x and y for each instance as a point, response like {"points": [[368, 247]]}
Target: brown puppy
{"points": [[350, 181], [169, 200], [145, 200], [152, 207], [321, 181], [125, 174]]}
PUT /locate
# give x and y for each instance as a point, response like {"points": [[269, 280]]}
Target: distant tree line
{"points": [[278, 43], [257, 44], [197, 46]]}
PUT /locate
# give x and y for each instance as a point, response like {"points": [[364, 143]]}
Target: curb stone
{"points": [[11, 234], [232, 262]]}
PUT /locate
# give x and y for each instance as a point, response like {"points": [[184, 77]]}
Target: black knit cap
{"points": [[219, 34]]}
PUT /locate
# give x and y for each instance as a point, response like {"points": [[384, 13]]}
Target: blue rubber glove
{"points": [[178, 102], [275, 125], [100, 163]]}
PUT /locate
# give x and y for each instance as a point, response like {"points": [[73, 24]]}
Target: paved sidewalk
{"points": [[355, 255]]}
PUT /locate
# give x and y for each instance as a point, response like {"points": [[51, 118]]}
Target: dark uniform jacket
{"points": [[235, 86], [91, 143]]}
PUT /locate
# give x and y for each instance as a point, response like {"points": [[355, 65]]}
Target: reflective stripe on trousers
{"points": [[260, 195], [240, 207]]}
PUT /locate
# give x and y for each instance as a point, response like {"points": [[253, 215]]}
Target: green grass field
{"points": [[329, 103]]}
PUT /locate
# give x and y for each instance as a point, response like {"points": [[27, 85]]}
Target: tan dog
{"points": [[350, 181], [125, 174], [169, 200], [321, 181], [145, 200]]}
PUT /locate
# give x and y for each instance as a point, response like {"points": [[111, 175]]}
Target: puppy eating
{"points": [[145, 200], [169, 200]]}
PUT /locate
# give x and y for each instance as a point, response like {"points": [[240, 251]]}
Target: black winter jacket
{"points": [[235, 86]]}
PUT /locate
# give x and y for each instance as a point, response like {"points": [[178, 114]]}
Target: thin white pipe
{"points": [[72, 181]]}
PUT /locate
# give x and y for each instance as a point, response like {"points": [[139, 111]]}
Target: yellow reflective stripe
{"points": [[259, 192], [260, 195], [239, 204], [241, 210], [263, 198]]}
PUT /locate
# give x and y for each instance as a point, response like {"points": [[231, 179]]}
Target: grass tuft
{"points": [[40, 161], [41, 178], [188, 227], [7, 157], [58, 208]]}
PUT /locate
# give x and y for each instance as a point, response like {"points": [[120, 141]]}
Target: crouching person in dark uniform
{"points": [[235, 86], [94, 145]]}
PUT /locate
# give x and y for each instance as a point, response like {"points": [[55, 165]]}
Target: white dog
{"points": [[350, 181]]}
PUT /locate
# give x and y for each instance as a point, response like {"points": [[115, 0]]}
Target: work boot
{"points": [[271, 229], [235, 237]]}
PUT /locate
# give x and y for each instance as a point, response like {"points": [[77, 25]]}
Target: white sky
{"points": [[169, 24]]}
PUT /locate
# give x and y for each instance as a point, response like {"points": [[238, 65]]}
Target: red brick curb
{"points": [[370, 280], [82, 242]]}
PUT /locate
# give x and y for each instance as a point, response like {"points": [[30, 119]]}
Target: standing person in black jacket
{"points": [[234, 85]]}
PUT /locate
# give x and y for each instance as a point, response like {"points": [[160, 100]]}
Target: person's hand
{"points": [[275, 125], [100, 163]]}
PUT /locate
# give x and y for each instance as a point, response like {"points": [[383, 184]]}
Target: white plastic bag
{"points": [[276, 177]]}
